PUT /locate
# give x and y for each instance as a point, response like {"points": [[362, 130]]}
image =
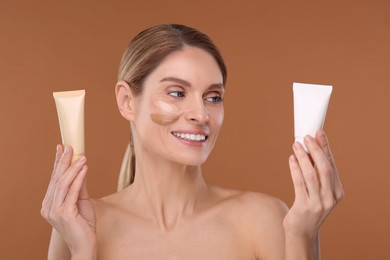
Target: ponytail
{"points": [[127, 171]]}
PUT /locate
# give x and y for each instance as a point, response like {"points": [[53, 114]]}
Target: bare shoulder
{"points": [[251, 208], [259, 218], [108, 204], [108, 200], [251, 202]]}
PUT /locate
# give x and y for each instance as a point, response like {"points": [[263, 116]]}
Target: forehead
{"points": [[191, 64]]}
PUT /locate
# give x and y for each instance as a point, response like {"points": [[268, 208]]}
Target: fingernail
{"points": [[82, 159], [57, 148], [296, 145], [292, 158], [66, 149]]}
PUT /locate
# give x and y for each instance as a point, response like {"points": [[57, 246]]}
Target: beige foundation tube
{"points": [[70, 110]]}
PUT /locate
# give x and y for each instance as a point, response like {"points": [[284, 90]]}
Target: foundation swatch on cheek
{"points": [[167, 113]]}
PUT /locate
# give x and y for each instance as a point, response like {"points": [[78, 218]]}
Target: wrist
{"points": [[85, 254], [302, 245], [302, 232], [302, 235], [91, 256]]}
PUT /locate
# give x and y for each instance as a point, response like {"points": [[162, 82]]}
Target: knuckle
{"points": [[330, 203], [51, 216], [54, 215], [44, 212], [302, 209], [317, 208], [340, 196]]}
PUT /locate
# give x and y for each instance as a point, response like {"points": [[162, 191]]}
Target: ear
{"points": [[125, 100]]}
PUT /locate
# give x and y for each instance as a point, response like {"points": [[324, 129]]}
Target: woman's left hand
{"points": [[317, 187]]}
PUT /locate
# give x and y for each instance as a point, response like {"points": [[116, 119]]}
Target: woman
{"points": [[171, 89]]}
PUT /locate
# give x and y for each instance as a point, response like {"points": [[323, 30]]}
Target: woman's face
{"points": [[180, 111]]}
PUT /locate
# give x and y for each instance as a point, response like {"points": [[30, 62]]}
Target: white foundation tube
{"points": [[70, 110], [310, 106]]}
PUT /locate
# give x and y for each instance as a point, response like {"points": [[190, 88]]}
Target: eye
{"points": [[214, 98], [177, 94]]}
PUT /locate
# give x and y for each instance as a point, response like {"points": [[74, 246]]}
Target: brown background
{"points": [[48, 46]]}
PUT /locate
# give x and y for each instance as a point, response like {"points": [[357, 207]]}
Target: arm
{"points": [[68, 209], [317, 192], [298, 247], [58, 249]]}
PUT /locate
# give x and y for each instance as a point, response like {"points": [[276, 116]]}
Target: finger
{"points": [[300, 189], [324, 169], [324, 144], [50, 190], [59, 151], [63, 163], [338, 189], [308, 171], [75, 188], [61, 166], [62, 186]]}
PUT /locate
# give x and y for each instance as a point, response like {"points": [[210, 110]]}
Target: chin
{"points": [[191, 160]]}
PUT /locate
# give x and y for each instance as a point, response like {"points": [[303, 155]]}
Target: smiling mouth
{"points": [[191, 137]]}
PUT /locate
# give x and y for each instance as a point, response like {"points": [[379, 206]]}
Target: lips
{"points": [[194, 137]]}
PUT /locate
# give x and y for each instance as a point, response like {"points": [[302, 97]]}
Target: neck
{"points": [[167, 191]]}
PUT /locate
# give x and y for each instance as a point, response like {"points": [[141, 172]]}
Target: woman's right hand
{"points": [[67, 206]]}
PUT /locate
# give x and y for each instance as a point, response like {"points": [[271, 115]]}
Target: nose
{"points": [[197, 112]]}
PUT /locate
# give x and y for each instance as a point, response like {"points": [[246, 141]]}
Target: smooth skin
{"points": [[170, 212], [67, 201]]}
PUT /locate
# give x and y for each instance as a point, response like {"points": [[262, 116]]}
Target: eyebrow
{"points": [[185, 83]]}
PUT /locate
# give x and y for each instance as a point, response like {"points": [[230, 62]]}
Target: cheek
{"points": [[164, 113], [217, 116], [166, 107], [220, 116]]}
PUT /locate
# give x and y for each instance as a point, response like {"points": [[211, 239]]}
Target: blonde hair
{"points": [[144, 53]]}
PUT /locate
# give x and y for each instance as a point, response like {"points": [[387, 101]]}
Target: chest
{"points": [[208, 238]]}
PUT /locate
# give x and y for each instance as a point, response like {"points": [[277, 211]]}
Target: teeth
{"points": [[191, 137]]}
